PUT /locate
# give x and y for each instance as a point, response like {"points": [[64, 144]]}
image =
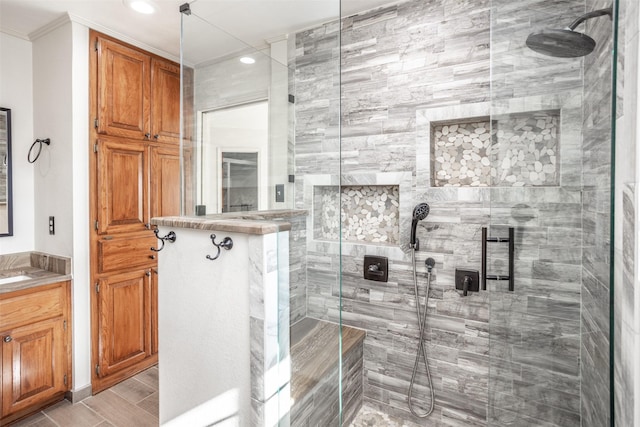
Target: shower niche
{"points": [[370, 213], [514, 150]]}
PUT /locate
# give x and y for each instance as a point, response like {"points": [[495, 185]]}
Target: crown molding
{"points": [[63, 19], [14, 33], [70, 17]]}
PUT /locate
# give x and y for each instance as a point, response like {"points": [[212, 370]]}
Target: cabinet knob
{"points": [[148, 273], [147, 135], [147, 226], [156, 136], [8, 339], [152, 257]]}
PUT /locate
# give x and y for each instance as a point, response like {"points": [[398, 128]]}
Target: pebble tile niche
{"points": [[519, 150], [370, 212]]}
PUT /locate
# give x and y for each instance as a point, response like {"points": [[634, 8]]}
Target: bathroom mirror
{"points": [[6, 216]]}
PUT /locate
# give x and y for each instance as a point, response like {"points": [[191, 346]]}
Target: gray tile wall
{"points": [[297, 268], [596, 216], [535, 331], [401, 63], [381, 96]]}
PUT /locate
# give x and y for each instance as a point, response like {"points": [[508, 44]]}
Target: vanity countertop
{"points": [[29, 269], [258, 222]]}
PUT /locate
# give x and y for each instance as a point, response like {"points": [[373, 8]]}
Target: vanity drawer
{"points": [[36, 304], [126, 252]]}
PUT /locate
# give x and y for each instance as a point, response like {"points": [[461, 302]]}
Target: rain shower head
{"points": [[561, 43], [566, 43]]}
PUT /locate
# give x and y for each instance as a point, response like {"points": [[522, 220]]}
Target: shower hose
{"points": [[422, 320]]}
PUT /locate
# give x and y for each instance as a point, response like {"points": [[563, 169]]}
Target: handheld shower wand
{"points": [[420, 212]]}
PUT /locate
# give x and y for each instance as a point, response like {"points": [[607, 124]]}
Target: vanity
{"points": [[35, 332]]}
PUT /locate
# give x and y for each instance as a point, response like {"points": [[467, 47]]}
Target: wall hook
{"points": [[39, 142], [226, 243], [170, 237]]}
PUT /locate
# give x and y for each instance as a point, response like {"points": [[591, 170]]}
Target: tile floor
{"points": [[132, 403]]}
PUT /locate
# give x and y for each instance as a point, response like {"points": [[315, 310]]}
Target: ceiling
{"points": [[215, 29]]}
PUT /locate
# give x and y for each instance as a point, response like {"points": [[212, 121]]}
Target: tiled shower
{"points": [[441, 102]]}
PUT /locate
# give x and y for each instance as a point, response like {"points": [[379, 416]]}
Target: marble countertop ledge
{"points": [[41, 269], [258, 222]]}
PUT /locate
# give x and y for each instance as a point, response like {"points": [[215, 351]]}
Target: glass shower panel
{"points": [[277, 62], [236, 97], [548, 243]]}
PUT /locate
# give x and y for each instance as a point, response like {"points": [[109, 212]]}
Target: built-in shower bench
{"points": [[315, 350]]}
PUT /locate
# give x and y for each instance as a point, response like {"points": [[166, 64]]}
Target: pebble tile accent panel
{"points": [[461, 154], [518, 150], [370, 213], [527, 147]]}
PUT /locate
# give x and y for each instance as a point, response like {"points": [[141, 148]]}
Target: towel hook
{"points": [[39, 142], [226, 243], [170, 237]]}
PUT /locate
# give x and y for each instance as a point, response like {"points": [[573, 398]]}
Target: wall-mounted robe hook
{"points": [[226, 243], [170, 237], [39, 142]]}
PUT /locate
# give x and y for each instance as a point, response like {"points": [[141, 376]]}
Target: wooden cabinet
{"points": [[122, 187], [165, 101], [135, 175], [165, 170], [154, 311], [138, 95], [124, 302], [35, 361], [123, 90]]}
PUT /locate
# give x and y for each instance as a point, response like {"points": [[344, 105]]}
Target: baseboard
{"points": [[79, 395]]}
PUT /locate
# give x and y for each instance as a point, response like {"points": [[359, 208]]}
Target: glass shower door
{"points": [[277, 162], [548, 240]]}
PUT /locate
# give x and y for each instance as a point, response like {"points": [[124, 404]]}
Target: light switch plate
{"points": [[280, 193]]}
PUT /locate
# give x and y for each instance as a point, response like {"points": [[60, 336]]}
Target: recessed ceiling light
{"points": [[141, 6], [247, 60]]}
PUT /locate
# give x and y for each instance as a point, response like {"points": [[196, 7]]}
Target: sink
{"points": [[13, 279]]}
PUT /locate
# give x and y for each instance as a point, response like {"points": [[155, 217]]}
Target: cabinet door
{"points": [[154, 311], [123, 90], [124, 320], [165, 101], [33, 364], [123, 179], [165, 181]]}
